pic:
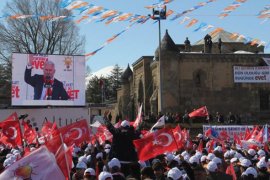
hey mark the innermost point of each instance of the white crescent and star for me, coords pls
(14, 133)
(169, 139)
(79, 131)
(178, 134)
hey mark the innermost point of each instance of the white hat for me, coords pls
(114, 162)
(8, 156)
(261, 164)
(174, 173)
(261, 153)
(104, 175)
(169, 157)
(142, 164)
(107, 146)
(198, 154)
(251, 152)
(99, 155)
(177, 159)
(238, 155)
(81, 165)
(199, 135)
(91, 171)
(233, 160)
(217, 160)
(16, 151)
(212, 166)
(83, 159)
(107, 151)
(7, 162)
(227, 154)
(88, 158)
(194, 159)
(252, 171)
(74, 154)
(218, 148)
(125, 123)
(203, 158)
(245, 162)
(76, 149)
(184, 153)
(210, 156)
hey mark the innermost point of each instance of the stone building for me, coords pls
(203, 76)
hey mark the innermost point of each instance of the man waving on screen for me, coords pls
(46, 87)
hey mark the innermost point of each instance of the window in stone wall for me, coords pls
(264, 100)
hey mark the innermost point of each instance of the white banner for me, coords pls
(246, 74)
(67, 88)
(231, 130)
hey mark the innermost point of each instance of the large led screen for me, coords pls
(48, 80)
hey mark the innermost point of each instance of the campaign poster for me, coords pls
(248, 74)
(44, 80)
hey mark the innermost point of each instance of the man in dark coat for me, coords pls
(46, 87)
(122, 146)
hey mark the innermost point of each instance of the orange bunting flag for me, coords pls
(81, 19)
(169, 12)
(234, 36)
(215, 32)
(191, 23)
(94, 9)
(77, 5)
(108, 14)
(254, 41)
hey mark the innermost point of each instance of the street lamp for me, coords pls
(159, 14)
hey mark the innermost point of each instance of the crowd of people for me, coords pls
(117, 159)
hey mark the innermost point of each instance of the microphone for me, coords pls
(23, 116)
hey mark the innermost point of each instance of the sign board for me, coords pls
(246, 74)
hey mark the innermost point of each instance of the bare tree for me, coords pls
(38, 34)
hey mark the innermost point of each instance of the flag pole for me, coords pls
(65, 155)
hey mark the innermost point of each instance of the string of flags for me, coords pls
(227, 10)
(85, 12)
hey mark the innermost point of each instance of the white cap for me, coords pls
(107, 151)
(212, 166)
(104, 175)
(245, 162)
(194, 159)
(88, 158)
(107, 146)
(218, 148)
(238, 155)
(81, 165)
(251, 152)
(169, 157)
(114, 162)
(233, 160)
(261, 153)
(125, 123)
(227, 154)
(83, 159)
(8, 156)
(199, 135)
(217, 160)
(176, 158)
(261, 164)
(91, 171)
(184, 153)
(198, 154)
(203, 158)
(7, 162)
(210, 156)
(174, 173)
(99, 155)
(252, 171)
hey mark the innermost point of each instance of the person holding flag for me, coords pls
(122, 146)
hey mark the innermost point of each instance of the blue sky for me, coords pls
(142, 39)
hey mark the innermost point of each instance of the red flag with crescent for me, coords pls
(155, 143)
(201, 112)
(11, 132)
(178, 136)
(75, 133)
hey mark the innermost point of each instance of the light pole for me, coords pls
(159, 14)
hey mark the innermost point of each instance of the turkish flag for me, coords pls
(178, 136)
(138, 118)
(29, 133)
(62, 153)
(155, 143)
(103, 134)
(230, 171)
(75, 133)
(49, 130)
(200, 146)
(223, 135)
(201, 112)
(11, 132)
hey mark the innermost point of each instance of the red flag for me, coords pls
(155, 143)
(11, 131)
(49, 130)
(178, 136)
(230, 171)
(138, 118)
(201, 112)
(103, 134)
(29, 133)
(236, 139)
(259, 136)
(75, 133)
(247, 134)
(223, 135)
(200, 146)
(62, 154)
